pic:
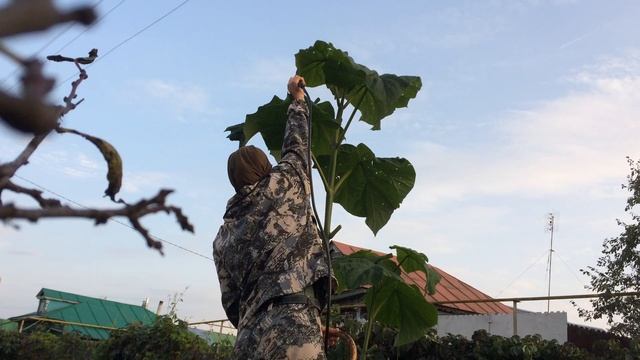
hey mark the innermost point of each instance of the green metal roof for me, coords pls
(69, 307)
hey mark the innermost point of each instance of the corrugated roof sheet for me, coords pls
(449, 288)
(93, 311)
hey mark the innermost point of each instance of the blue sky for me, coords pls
(527, 107)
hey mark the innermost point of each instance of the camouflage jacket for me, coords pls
(269, 245)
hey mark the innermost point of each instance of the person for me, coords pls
(268, 252)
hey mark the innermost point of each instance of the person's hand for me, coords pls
(294, 87)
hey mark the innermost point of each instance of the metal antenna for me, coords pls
(550, 226)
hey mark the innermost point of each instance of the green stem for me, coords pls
(331, 179)
(342, 179)
(353, 114)
(367, 336)
(322, 175)
(328, 209)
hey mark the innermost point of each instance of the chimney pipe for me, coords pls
(145, 303)
(159, 307)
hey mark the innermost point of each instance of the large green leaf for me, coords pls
(370, 187)
(381, 95)
(376, 96)
(363, 268)
(396, 304)
(433, 278)
(270, 121)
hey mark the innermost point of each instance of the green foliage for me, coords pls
(389, 300)
(410, 260)
(618, 270)
(270, 121)
(163, 340)
(376, 96)
(365, 185)
(482, 346)
(369, 186)
(41, 345)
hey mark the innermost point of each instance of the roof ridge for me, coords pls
(87, 297)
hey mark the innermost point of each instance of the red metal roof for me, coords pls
(449, 288)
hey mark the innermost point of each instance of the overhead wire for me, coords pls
(111, 50)
(87, 28)
(126, 40)
(569, 268)
(56, 37)
(112, 220)
(523, 272)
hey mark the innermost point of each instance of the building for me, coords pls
(450, 288)
(465, 318)
(94, 318)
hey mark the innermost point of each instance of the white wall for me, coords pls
(548, 325)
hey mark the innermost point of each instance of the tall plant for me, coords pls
(365, 185)
(352, 175)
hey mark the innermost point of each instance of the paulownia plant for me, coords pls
(354, 177)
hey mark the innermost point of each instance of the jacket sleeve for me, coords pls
(230, 296)
(296, 138)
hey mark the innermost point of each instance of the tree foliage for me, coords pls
(166, 339)
(618, 269)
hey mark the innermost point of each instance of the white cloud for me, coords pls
(185, 100)
(76, 165)
(268, 74)
(136, 182)
(575, 143)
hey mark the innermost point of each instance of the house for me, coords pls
(450, 288)
(463, 318)
(90, 317)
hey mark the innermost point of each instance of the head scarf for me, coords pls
(246, 166)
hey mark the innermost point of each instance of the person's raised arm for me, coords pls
(296, 134)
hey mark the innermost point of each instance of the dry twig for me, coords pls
(132, 212)
(30, 113)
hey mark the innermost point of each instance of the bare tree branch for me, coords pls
(34, 194)
(132, 212)
(29, 113)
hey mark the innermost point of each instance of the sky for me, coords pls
(527, 107)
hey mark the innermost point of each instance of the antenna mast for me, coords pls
(550, 226)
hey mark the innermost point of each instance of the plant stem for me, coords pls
(342, 179)
(367, 336)
(353, 114)
(328, 208)
(330, 181)
(322, 175)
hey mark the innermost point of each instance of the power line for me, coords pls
(113, 220)
(53, 39)
(150, 25)
(46, 45)
(136, 34)
(523, 272)
(569, 268)
(87, 28)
